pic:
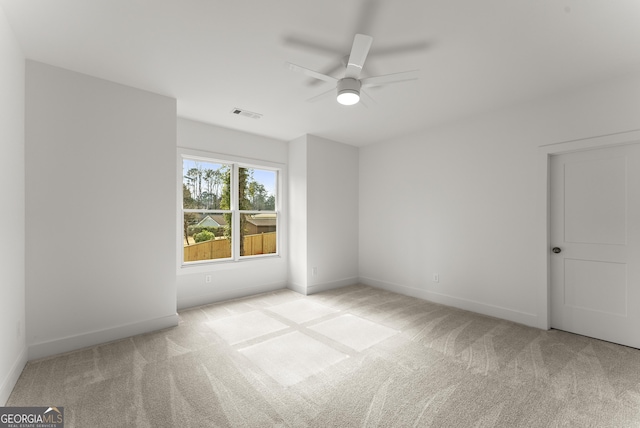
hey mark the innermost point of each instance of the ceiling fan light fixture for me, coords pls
(348, 98)
(348, 91)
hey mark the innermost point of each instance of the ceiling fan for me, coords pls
(349, 87)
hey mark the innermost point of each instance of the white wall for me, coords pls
(298, 273)
(100, 210)
(13, 355)
(332, 214)
(231, 280)
(324, 212)
(463, 201)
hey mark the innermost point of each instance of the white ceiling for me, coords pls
(216, 55)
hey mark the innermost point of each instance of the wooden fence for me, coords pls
(263, 243)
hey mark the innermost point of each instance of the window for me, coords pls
(229, 210)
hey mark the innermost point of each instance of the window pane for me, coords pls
(258, 234)
(205, 185)
(206, 236)
(257, 189)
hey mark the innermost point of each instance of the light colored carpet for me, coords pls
(351, 357)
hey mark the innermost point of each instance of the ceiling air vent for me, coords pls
(246, 113)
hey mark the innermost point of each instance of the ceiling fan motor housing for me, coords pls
(348, 85)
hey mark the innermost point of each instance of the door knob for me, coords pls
(556, 250)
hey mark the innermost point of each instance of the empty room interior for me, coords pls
(294, 213)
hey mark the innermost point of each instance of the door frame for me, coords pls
(544, 191)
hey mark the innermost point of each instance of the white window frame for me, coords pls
(236, 163)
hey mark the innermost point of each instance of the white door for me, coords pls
(595, 226)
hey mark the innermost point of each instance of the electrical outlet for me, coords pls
(436, 277)
(207, 279)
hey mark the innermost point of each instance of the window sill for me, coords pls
(244, 263)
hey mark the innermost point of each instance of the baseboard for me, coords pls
(324, 286)
(297, 288)
(71, 343)
(317, 288)
(12, 377)
(457, 302)
(232, 293)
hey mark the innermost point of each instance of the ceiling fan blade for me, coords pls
(390, 78)
(310, 73)
(321, 95)
(361, 103)
(329, 71)
(369, 98)
(359, 52)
